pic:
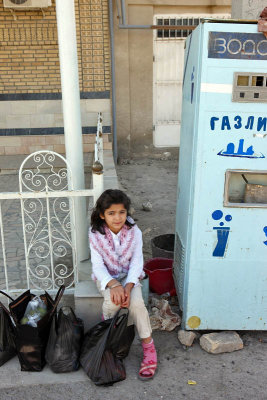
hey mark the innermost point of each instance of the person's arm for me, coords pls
(135, 267)
(99, 269)
(106, 280)
(137, 261)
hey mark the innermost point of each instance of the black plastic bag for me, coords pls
(31, 341)
(7, 336)
(104, 348)
(65, 340)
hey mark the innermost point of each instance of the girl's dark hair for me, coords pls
(107, 198)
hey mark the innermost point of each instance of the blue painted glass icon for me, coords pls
(222, 233)
(248, 153)
(265, 231)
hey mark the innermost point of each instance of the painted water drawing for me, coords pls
(240, 152)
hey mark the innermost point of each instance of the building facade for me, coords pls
(148, 72)
(30, 88)
(149, 68)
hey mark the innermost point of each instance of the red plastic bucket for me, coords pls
(159, 271)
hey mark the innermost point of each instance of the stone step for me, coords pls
(88, 303)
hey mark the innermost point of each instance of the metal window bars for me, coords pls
(179, 27)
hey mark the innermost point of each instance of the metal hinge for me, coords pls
(153, 58)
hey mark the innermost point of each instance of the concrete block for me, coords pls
(89, 119)
(13, 150)
(107, 118)
(221, 342)
(88, 139)
(62, 139)
(18, 121)
(85, 270)
(53, 139)
(10, 140)
(106, 137)
(23, 107)
(59, 148)
(49, 107)
(32, 140)
(42, 120)
(88, 148)
(88, 303)
(107, 146)
(110, 171)
(96, 105)
(186, 337)
(59, 121)
(108, 158)
(5, 108)
(39, 147)
(246, 9)
(110, 182)
(13, 377)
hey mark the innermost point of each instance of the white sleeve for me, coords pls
(99, 269)
(137, 260)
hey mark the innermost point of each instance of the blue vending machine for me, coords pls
(220, 262)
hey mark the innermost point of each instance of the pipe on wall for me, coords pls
(113, 82)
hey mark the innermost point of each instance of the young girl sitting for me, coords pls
(117, 260)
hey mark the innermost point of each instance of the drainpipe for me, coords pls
(72, 115)
(113, 83)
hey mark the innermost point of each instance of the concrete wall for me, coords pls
(247, 9)
(134, 65)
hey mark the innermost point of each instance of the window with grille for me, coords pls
(176, 33)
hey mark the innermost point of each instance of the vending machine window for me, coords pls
(245, 188)
(250, 87)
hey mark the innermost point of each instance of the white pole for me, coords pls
(72, 114)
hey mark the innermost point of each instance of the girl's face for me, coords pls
(115, 217)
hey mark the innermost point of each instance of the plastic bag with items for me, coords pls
(31, 341)
(35, 311)
(65, 340)
(104, 348)
(7, 336)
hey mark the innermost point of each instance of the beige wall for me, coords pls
(134, 65)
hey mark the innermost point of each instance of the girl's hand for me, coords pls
(117, 295)
(127, 293)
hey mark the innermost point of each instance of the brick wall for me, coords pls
(29, 61)
(94, 44)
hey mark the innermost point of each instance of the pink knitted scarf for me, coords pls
(115, 261)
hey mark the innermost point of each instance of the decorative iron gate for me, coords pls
(48, 224)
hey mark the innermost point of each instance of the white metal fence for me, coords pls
(38, 235)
